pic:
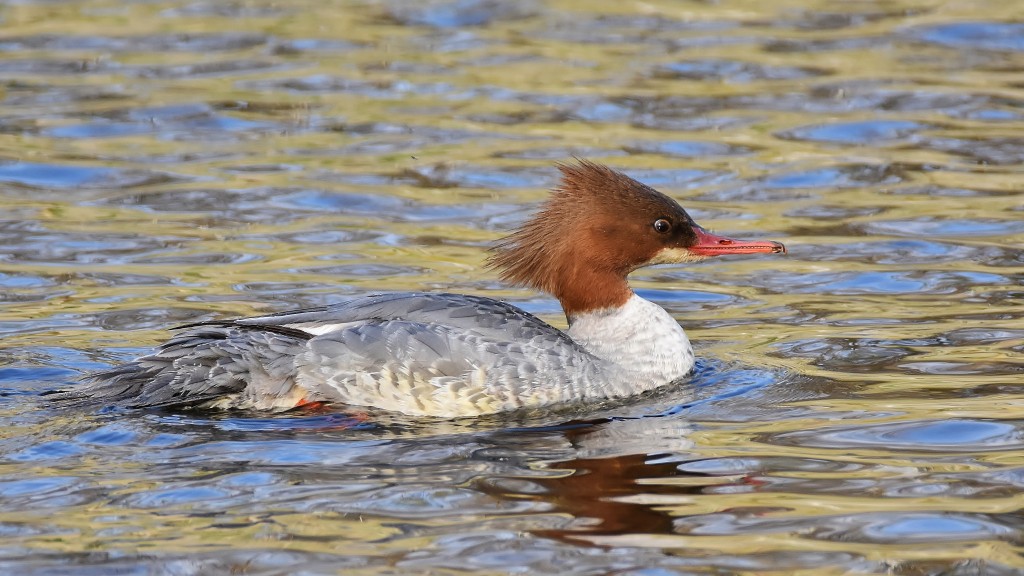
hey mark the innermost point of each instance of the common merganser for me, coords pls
(453, 355)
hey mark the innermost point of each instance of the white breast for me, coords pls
(640, 337)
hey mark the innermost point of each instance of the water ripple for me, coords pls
(976, 35)
(944, 435)
(853, 407)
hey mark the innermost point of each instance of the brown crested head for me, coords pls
(597, 226)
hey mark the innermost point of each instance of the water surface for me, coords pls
(858, 405)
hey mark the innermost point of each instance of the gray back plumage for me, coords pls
(494, 318)
(442, 354)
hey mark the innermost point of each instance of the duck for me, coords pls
(457, 355)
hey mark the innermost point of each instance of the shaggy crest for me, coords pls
(581, 244)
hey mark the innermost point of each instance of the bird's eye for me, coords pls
(662, 226)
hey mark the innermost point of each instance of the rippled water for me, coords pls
(858, 407)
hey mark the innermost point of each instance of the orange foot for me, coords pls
(319, 407)
(311, 405)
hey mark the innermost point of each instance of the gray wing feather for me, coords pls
(199, 365)
(432, 368)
